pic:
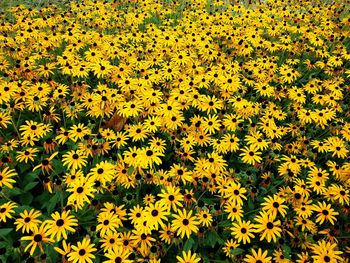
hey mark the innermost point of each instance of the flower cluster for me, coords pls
(175, 131)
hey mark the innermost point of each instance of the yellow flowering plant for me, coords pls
(175, 131)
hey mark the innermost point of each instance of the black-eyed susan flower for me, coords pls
(118, 254)
(205, 218)
(61, 224)
(77, 132)
(46, 163)
(82, 252)
(81, 190)
(251, 155)
(184, 223)
(171, 198)
(229, 247)
(64, 251)
(142, 240)
(28, 221)
(38, 237)
(74, 160)
(234, 211)
(32, 128)
(110, 242)
(274, 205)
(326, 252)
(156, 214)
(233, 191)
(258, 256)
(6, 177)
(268, 227)
(103, 172)
(5, 119)
(26, 155)
(6, 210)
(108, 222)
(243, 231)
(325, 213)
(188, 257)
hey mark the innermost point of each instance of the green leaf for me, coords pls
(53, 202)
(15, 191)
(286, 251)
(236, 251)
(130, 170)
(30, 186)
(22, 208)
(189, 244)
(5, 231)
(225, 223)
(26, 198)
(210, 239)
(250, 204)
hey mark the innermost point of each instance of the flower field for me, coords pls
(175, 131)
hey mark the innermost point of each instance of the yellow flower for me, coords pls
(250, 155)
(258, 256)
(268, 227)
(184, 223)
(28, 221)
(38, 237)
(188, 257)
(60, 224)
(325, 212)
(5, 177)
(82, 252)
(74, 159)
(243, 231)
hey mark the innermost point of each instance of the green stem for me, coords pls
(41, 118)
(14, 126)
(64, 119)
(19, 118)
(201, 195)
(166, 251)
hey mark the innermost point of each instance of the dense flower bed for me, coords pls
(175, 131)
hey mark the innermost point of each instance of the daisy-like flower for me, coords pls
(205, 218)
(108, 223)
(65, 250)
(28, 220)
(38, 237)
(156, 214)
(230, 245)
(184, 223)
(258, 256)
(325, 212)
(274, 205)
(74, 159)
(77, 132)
(6, 210)
(26, 155)
(234, 211)
(81, 190)
(5, 119)
(326, 252)
(268, 227)
(250, 155)
(118, 254)
(243, 231)
(5, 177)
(188, 257)
(82, 252)
(101, 68)
(32, 128)
(60, 224)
